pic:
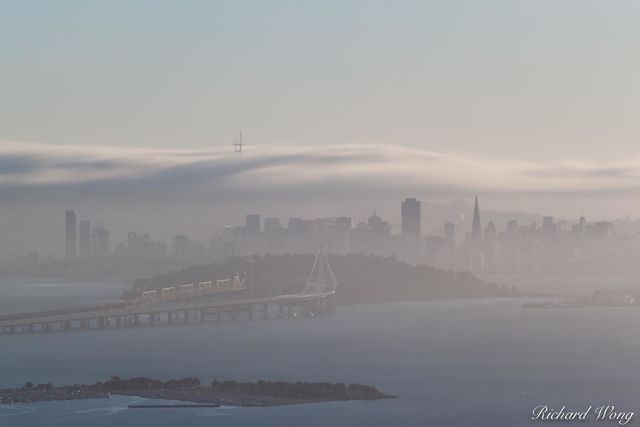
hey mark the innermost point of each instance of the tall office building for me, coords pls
(377, 226)
(272, 226)
(476, 228)
(100, 239)
(253, 224)
(548, 225)
(490, 243)
(583, 225)
(294, 226)
(84, 239)
(180, 248)
(70, 235)
(410, 217)
(450, 233)
(476, 239)
(343, 224)
(490, 233)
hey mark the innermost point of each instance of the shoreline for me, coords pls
(189, 391)
(194, 404)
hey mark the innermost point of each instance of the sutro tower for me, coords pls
(237, 143)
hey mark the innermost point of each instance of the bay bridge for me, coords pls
(187, 304)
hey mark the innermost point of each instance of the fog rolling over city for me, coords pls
(131, 214)
(536, 217)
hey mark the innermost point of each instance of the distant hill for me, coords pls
(361, 278)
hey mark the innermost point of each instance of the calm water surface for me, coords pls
(461, 363)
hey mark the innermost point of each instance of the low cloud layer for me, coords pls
(303, 169)
(165, 192)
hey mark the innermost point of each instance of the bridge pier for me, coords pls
(218, 315)
(201, 313)
(170, 317)
(330, 303)
(265, 311)
(136, 320)
(152, 319)
(233, 313)
(250, 311)
(186, 316)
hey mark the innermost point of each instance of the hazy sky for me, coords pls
(125, 110)
(511, 79)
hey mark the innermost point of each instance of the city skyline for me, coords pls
(543, 244)
(84, 238)
(460, 245)
(410, 223)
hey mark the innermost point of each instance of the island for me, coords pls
(362, 279)
(189, 389)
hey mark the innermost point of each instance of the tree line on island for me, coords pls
(361, 278)
(281, 389)
(259, 393)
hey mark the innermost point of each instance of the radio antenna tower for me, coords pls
(237, 143)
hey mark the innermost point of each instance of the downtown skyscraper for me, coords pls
(70, 235)
(410, 216)
(476, 239)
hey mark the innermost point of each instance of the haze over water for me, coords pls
(482, 362)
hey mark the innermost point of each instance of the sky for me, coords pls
(534, 104)
(539, 79)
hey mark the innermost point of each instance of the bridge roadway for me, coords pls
(156, 313)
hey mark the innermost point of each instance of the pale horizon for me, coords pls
(540, 80)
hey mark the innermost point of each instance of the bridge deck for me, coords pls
(138, 309)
